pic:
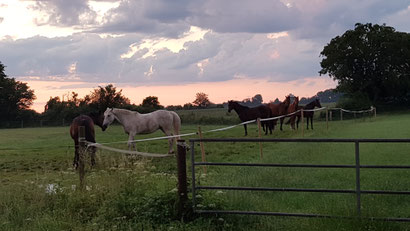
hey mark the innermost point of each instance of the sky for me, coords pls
(230, 49)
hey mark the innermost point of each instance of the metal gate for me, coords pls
(357, 166)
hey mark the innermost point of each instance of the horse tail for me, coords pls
(177, 123)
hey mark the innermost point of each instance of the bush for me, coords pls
(357, 101)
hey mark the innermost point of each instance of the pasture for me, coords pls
(39, 187)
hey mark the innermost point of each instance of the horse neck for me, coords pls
(310, 105)
(121, 115)
(239, 108)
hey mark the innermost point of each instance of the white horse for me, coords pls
(136, 123)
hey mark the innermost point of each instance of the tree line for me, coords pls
(370, 63)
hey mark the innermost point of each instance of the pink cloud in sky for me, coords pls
(218, 92)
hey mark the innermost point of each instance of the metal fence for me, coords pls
(357, 166)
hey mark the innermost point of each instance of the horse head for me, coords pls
(109, 117)
(98, 119)
(286, 102)
(230, 105)
(317, 103)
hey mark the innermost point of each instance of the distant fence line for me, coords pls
(64, 122)
(33, 123)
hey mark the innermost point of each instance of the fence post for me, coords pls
(302, 123)
(374, 112)
(260, 137)
(22, 124)
(358, 192)
(330, 115)
(327, 119)
(341, 114)
(193, 175)
(81, 153)
(201, 144)
(182, 179)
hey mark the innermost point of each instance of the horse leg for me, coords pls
(267, 127)
(131, 144)
(281, 122)
(246, 129)
(297, 122)
(307, 123)
(311, 122)
(170, 140)
(171, 145)
(292, 122)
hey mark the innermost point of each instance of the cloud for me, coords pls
(232, 16)
(64, 13)
(277, 40)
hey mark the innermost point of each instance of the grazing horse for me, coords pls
(246, 113)
(136, 123)
(87, 121)
(309, 114)
(279, 110)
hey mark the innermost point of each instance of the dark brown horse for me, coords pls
(279, 110)
(246, 113)
(309, 114)
(88, 122)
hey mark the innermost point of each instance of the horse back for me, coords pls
(87, 123)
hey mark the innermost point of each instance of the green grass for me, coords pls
(139, 193)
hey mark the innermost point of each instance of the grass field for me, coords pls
(39, 188)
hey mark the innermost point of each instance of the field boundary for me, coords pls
(357, 191)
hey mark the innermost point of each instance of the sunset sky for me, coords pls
(229, 49)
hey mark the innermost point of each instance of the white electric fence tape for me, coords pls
(102, 145)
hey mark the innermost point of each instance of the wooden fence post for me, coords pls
(182, 179)
(260, 137)
(341, 114)
(374, 112)
(327, 119)
(81, 153)
(201, 144)
(302, 123)
(330, 115)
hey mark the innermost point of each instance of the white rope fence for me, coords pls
(145, 154)
(103, 145)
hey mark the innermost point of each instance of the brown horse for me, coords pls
(293, 108)
(246, 113)
(308, 114)
(279, 110)
(88, 122)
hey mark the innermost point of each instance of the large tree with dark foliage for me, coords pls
(107, 96)
(371, 61)
(15, 97)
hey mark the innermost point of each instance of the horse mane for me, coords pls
(125, 111)
(240, 105)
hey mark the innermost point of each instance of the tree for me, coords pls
(201, 100)
(15, 96)
(151, 102)
(104, 97)
(257, 99)
(370, 61)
